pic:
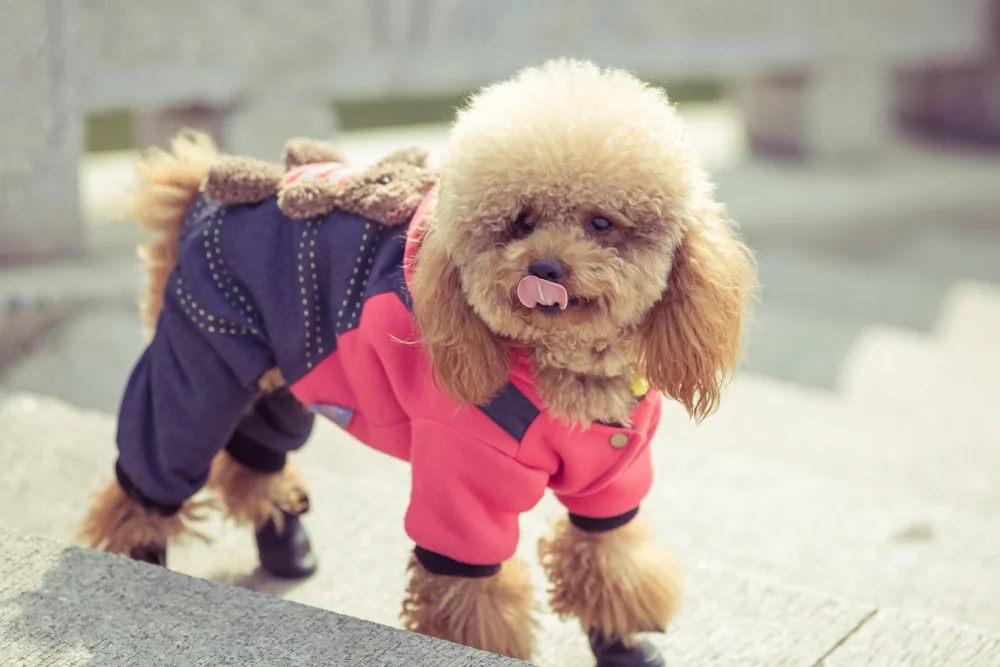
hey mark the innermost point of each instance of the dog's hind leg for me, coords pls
(119, 523)
(261, 488)
(618, 581)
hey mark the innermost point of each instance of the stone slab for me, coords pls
(712, 503)
(40, 136)
(421, 47)
(38, 297)
(85, 361)
(903, 640)
(70, 606)
(730, 618)
(971, 316)
(864, 544)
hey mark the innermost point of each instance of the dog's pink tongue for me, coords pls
(533, 291)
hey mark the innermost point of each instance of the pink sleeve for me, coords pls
(620, 495)
(467, 495)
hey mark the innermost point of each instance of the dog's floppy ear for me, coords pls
(470, 364)
(691, 340)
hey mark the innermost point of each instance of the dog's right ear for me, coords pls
(470, 363)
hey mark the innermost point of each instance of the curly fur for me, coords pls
(470, 363)
(117, 523)
(171, 180)
(253, 497)
(691, 341)
(663, 292)
(620, 582)
(493, 613)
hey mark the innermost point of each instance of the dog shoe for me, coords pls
(618, 653)
(287, 553)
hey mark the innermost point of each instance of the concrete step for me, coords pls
(946, 390)
(907, 640)
(814, 307)
(34, 299)
(69, 607)
(712, 505)
(357, 528)
(85, 361)
(358, 533)
(66, 606)
(971, 316)
(869, 545)
(919, 452)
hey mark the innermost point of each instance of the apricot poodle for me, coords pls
(508, 324)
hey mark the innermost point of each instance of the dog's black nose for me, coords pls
(547, 269)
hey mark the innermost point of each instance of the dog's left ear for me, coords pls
(470, 364)
(691, 340)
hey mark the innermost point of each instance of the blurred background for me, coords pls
(856, 142)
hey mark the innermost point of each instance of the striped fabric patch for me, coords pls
(329, 171)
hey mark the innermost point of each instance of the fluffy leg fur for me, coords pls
(492, 614)
(170, 181)
(118, 524)
(253, 497)
(619, 582)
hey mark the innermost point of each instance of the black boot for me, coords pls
(157, 555)
(618, 653)
(286, 554)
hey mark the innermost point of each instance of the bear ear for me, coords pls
(309, 199)
(302, 150)
(236, 180)
(386, 193)
(413, 156)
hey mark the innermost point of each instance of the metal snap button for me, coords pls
(619, 440)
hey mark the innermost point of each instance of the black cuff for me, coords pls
(592, 525)
(439, 564)
(133, 491)
(254, 455)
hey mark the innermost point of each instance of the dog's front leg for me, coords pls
(489, 608)
(617, 580)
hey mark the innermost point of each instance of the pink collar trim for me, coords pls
(415, 235)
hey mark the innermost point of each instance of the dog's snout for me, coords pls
(547, 269)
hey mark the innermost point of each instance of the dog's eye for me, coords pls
(385, 180)
(600, 225)
(523, 225)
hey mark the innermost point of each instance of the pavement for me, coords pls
(841, 509)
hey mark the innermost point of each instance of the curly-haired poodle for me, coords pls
(508, 324)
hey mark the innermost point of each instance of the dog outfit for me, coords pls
(327, 301)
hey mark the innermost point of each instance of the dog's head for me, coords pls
(572, 216)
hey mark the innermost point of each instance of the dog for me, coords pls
(508, 323)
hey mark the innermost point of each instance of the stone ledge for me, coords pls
(36, 298)
(70, 606)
